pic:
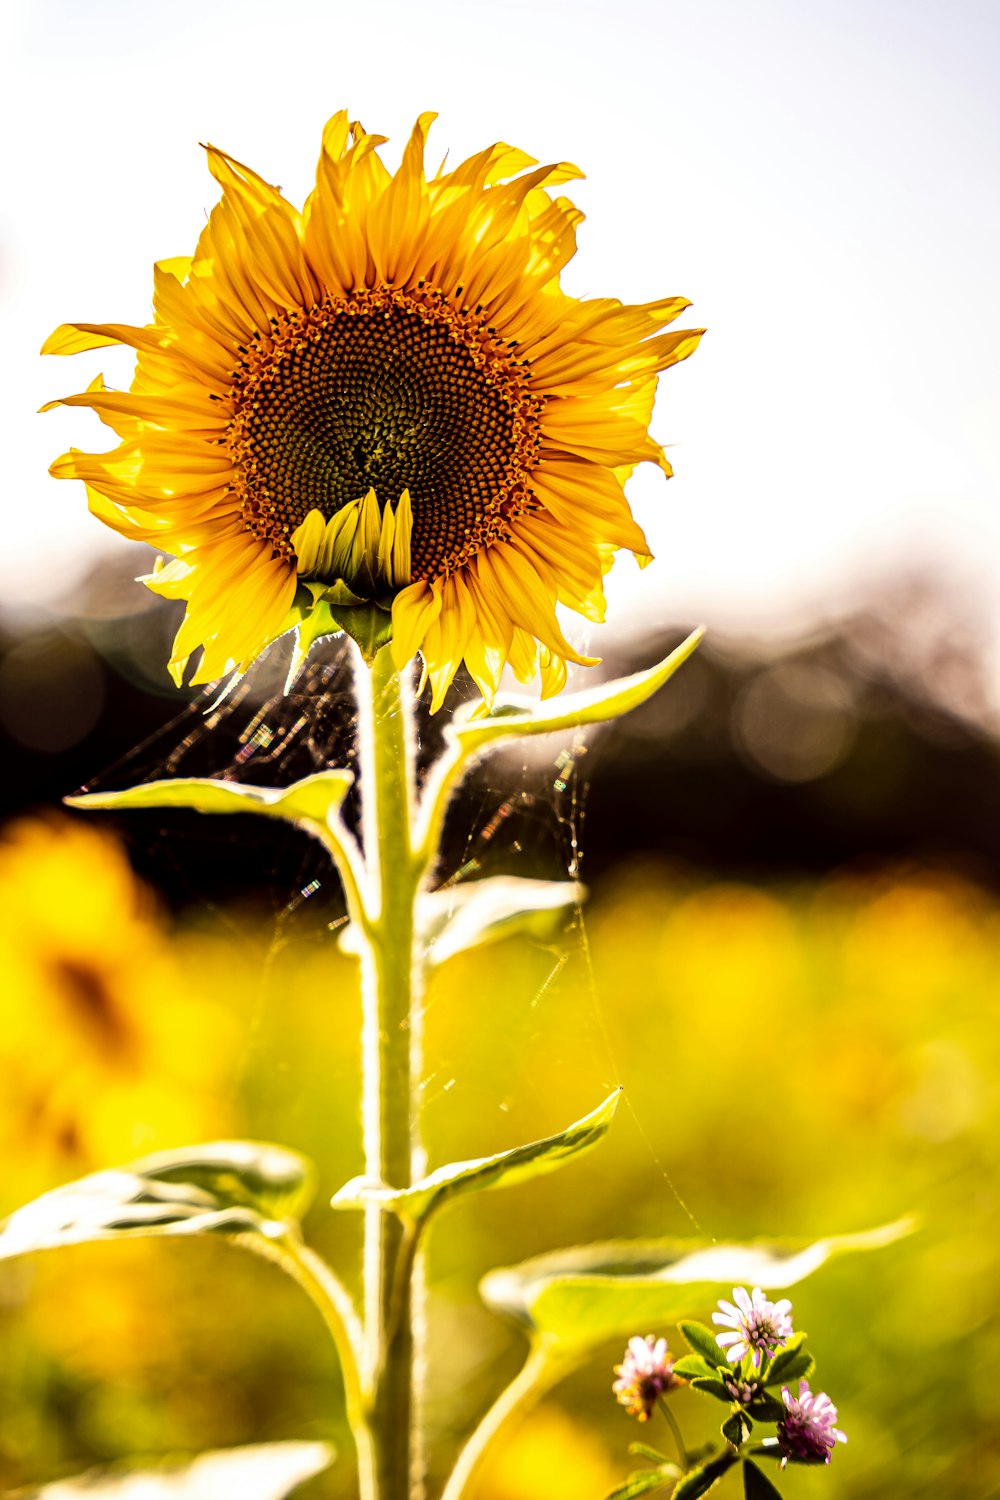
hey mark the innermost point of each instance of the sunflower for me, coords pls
(108, 1048)
(381, 414)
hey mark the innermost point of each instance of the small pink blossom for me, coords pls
(808, 1432)
(644, 1375)
(758, 1327)
(743, 1391)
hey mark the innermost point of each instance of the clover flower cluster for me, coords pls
(808, 1433)
(755, 1326)
(757, 1353)
(755, 1331)
(645, 1374)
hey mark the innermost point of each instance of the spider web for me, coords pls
(520, 812)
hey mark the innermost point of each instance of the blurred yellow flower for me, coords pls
(551, 1458)
(385, 399)
(106, 1051)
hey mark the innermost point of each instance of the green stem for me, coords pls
(390, 1063)
(675, 1429)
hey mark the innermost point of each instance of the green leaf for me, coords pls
(232, 1188)
(466, 916)
(264, 1471)
(702, 1341)
(431, 1193)
(790, 1363)
(736, 1428)
(278, 1183)
(645, 1481)
(513, 717)
(765, 1408)
(643, 1450)
(756, 1485)
(576, 1299)
(311, 802)
(692, 1365)
(712, 1386)
(699, 1481)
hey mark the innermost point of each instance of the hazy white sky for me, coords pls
(819, 176)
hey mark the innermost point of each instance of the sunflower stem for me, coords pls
(391, 1067)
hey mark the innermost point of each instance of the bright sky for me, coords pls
(818, 176)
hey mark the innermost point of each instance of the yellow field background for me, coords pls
(797, 1060)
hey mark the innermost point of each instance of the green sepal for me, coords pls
(575, 1299)
(367, 624)
(263, 1471)
(513, 717)
(321, 609)
(756, 1485)
(699, 1481)
(442, 1186)
(702, 1341)
(465, 916)
(765, 1408)
(313, 621)
(711, 1385)
(645, 1482)
(790, 1363)
(737, 1428)
(233, 1188)
(311, 802)
(692, 1366)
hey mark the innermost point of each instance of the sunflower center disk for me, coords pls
(390, 391)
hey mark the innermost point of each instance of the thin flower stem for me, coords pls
(390, 1066)
(538, 1373)
(682, 1452)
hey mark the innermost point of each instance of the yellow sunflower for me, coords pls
(381, 414)
(107, 1049)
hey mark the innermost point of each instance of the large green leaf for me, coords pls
(465, 916)
(431, 1193)
(512, 717)
(311, 802)
(278, 1183)
(576, 1299)
(244, 1188)
(265, 1471)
